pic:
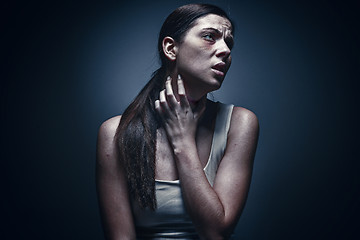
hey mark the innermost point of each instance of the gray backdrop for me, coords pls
(68, 66)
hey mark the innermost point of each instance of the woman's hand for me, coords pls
(180, 121)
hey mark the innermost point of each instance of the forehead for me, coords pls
(214, 21)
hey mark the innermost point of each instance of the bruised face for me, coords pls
(203, 57)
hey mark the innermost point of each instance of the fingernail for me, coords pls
(179, 77)
(168, 78)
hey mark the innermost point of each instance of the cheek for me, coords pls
(193, 58)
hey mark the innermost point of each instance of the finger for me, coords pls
(157, 105)
(163, 103)
(159, 110)
(170, 94)
(182, 94)
(181, 88)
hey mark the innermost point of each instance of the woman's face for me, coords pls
(203, 56)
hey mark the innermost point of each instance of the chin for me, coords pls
(207, 84)
(214, 86)
(217, 82)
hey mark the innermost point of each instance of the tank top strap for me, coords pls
(222, 126)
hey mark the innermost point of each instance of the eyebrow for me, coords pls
(229, 38)
(216, 30)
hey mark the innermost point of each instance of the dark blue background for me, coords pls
(68, 66)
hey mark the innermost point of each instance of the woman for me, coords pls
(176, 165)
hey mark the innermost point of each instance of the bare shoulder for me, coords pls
(244, 119)
(108, 128)
(106, 145)
(242, 138)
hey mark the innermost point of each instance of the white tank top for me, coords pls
(170, 220)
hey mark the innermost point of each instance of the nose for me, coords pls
(223, 50)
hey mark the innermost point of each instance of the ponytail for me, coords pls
(136, 139)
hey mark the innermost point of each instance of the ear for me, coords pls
(169, 48)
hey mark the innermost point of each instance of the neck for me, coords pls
(192, 95)
(194, 103)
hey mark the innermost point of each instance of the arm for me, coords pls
(214, 210)
(111, 186)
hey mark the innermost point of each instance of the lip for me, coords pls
(219, 68)
(218, 73)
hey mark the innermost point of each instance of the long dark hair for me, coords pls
(136, 133)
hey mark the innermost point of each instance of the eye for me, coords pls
(208, 36)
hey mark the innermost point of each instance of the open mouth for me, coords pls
(219, 68)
